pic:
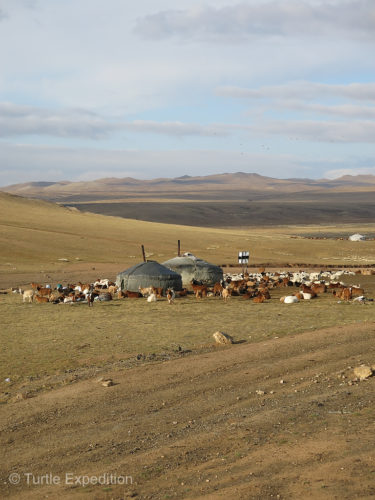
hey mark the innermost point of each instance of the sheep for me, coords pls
(289, 299)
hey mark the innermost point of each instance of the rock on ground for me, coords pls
(362, 372)
(222, 338)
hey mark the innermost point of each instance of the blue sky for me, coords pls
(113, 88)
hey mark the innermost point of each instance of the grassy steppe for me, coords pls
(35, 235)
(44, 340)
(216, 423)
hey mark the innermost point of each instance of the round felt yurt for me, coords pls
(357, 237)
(192, 268)
(146, 274)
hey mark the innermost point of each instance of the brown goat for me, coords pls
(259, 299)
(218, 289)
(226, 293)
(357, 291)
(132, 295)
(38, 298)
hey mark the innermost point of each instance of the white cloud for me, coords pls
(321, 131)
(335, 174)
(20, 120)
(16, 120)
(352, 18)
(176, 128)
(302, 90)
(76, 74)
(343, 110)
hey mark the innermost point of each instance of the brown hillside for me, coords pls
(233, 186)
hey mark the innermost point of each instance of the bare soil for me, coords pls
(196, 427)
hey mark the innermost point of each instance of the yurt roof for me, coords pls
(151, 267)
(188, 260)
(149, 273)
(191, 267)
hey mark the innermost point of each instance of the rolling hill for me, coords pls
(223, 200)
(43, 238)
(239, 186)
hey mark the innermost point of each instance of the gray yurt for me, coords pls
(190, 267)
(146, 274)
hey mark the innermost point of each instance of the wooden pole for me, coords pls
(143, 253)
(179, 248)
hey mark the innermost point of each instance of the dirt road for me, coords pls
(196, 427)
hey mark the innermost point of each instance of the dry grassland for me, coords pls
(183, 418)
(51, 344)
(35, 235)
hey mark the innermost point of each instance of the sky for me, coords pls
(164, 88)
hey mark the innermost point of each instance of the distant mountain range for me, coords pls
(223, 200)
(220, 186)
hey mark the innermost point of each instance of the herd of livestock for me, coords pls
(256, 286)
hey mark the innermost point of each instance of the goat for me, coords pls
(131, 295)
(158, 291)
(146, 291)
(199, 290)
(357, 291)
(28, 294)
(226, 293)
(171, 295)
(289, 299)
(218, 289)
(44, 291)
(41, 299)
(259, 299)
(151, 298)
